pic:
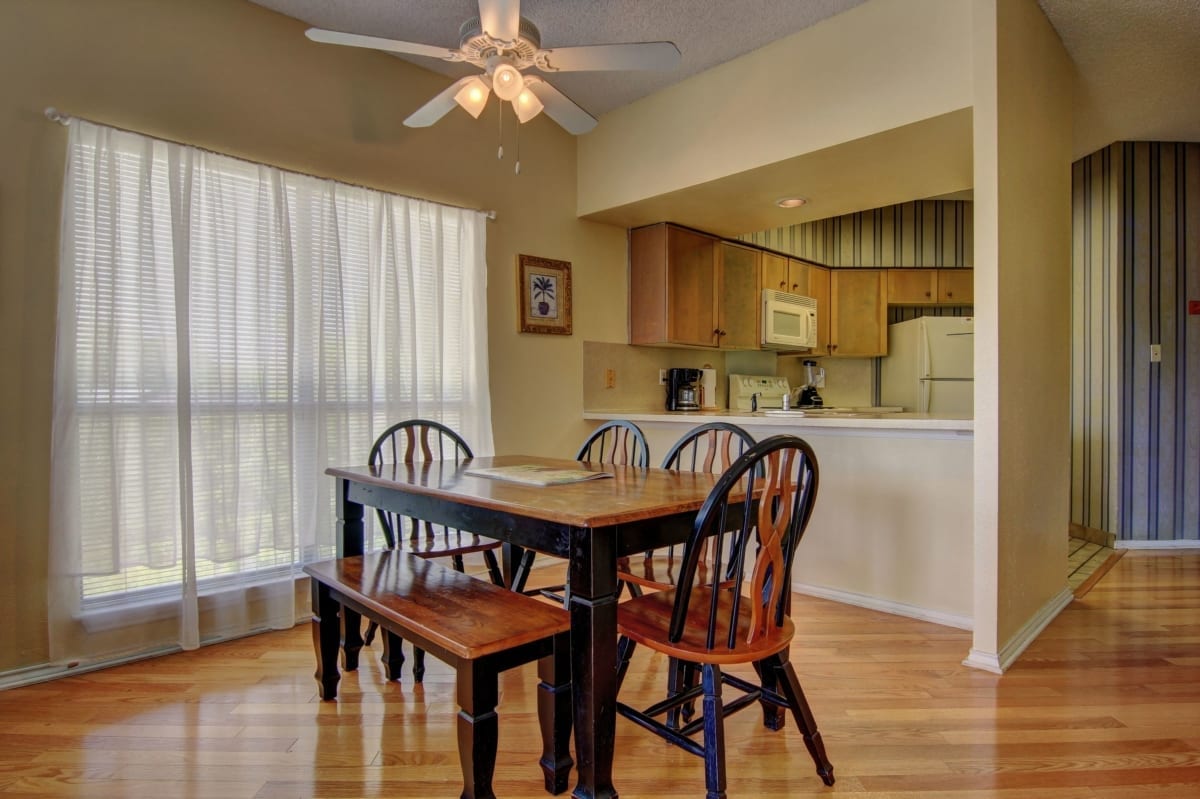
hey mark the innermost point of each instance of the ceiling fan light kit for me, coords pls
(507, 81)
(503, 43)
(473, 96)
(527, 105)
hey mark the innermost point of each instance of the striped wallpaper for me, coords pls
(1135, 435)
(1136, 264)
(923, 233)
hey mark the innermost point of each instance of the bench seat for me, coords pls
(479, 628)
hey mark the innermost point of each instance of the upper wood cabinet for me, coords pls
(858, 313)
(780, 273)
(818, 289)
(956, 286)
(912, 286)
(689, 288)
(738, 306)
(930, 286)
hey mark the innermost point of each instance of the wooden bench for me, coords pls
(478, 628)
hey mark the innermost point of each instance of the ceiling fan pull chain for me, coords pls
(517, 170)
(500, 129)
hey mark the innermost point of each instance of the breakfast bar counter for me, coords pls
(841, 419)
(893, 524)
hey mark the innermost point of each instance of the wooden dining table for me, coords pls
(589, 523)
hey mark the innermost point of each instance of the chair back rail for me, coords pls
(617, 441)
(772, 486)
(415, 441)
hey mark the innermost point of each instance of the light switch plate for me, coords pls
(1155, 353)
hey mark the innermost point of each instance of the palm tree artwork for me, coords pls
(542, 291)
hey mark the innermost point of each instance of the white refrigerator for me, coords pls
(930, 365)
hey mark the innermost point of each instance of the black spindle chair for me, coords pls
(713, 623)
(617, 441)
(419, 441)
(711, 447)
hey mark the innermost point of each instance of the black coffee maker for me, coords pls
(682, 393)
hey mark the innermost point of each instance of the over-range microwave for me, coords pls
(789, 321)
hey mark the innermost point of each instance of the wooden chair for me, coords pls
(616, 441)
(710, 624)
(711, 447)
(417, 441)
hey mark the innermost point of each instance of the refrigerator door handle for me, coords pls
(923, 404)
(923, 366)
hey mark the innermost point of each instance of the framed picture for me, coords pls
(544, 295)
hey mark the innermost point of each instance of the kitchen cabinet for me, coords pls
(912, 286)
(858, 313)
(930, 286)
(956, 286)
(687, 288)
(738, 306)
(818, 289)
(780, 273)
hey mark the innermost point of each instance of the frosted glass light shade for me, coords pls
(507, 82)
(527, 105)
(473, 96)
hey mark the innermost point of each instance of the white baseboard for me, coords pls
(998, 663)
(1179, 543)
(885, 606)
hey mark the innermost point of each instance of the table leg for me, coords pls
(350, 543)
(593, 570)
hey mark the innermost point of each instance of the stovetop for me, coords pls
(771, 390)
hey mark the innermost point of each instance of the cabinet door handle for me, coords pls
(949, 293)
(795, 287)
(927, 294)
(782, 285)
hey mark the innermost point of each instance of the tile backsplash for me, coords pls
(847, 381)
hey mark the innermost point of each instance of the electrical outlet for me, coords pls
(662, 377)
(1155, 353)
(610, 378)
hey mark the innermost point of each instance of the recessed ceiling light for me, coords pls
(790, 202)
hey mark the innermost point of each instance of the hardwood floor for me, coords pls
(1104, 705)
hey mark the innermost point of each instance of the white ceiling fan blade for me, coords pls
(559, 107)
(500, 19)
(438, 107)
(376, 43)
(640, 55)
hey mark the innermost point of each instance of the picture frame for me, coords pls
(544, 295)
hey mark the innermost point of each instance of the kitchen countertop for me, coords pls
(849, 419)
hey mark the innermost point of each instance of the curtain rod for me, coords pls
(54, 115)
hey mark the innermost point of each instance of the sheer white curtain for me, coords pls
(226, 330)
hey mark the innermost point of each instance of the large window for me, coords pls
(226, 331)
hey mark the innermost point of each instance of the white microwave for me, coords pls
(789, 321)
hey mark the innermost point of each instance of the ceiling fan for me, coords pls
(503, 44)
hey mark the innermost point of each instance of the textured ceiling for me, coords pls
(707, 32)
(1138, 64)
(1139, 67)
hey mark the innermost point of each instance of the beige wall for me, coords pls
(1018, 83)
(1022, 332)
(232, 77)
(876, 67)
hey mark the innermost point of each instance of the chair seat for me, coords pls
(647, 619)
(447, 545)
(657, 570)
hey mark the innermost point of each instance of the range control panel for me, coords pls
(771, 390)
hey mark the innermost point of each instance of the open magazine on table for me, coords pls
(536, 475)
